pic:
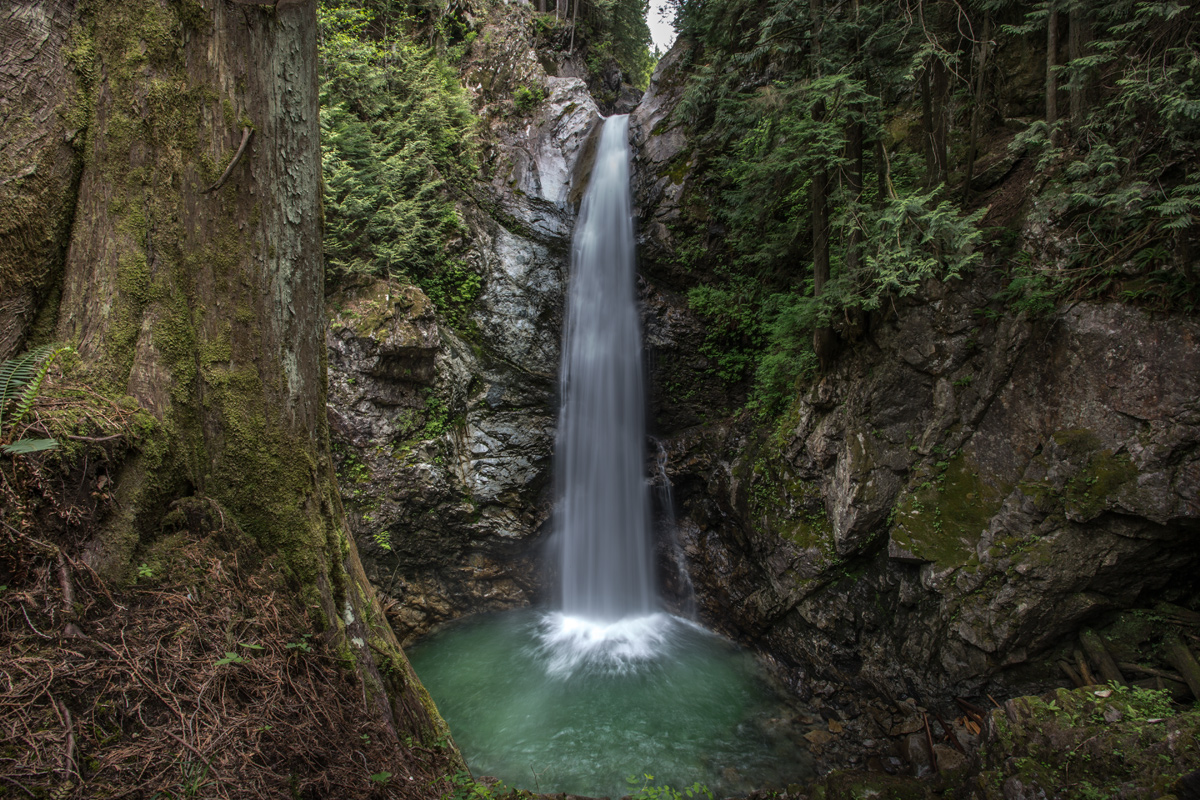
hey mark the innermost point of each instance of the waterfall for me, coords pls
(603, 505)
(578, 697)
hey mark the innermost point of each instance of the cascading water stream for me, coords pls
(604, 509)
(607, 685)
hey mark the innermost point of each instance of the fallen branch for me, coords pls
(971, 710)
(1085, 671)
(1070, 672)
(929, 741)
(1179, 657)
(94, 438)
(247, 134)
(1151, 671)
(69, 758)
(1099, 654)
(950, 733)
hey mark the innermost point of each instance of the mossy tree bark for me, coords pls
(202, 297)
(39, 162)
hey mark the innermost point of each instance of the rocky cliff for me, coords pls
(940, 511)
(444, 431)
(955, 497)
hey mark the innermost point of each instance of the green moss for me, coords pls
(1093, 743)
(943, 517)
(133, 278)
(1094, 488)
(677, 168)
(783, 504)
(1095, 476)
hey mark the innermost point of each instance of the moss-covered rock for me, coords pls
(1088, 743)
(942, 518)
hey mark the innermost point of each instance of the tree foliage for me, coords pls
(1122, 178)
(397, 137)
(787, 96)
(878, 109)
(619, 29)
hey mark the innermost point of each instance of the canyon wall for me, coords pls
(940, 510)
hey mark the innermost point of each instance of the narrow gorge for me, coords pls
(915, 507)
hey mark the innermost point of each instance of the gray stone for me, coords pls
(444, 446)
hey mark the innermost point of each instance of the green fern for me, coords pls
(20, 383)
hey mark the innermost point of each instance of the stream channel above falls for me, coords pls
(606, 686)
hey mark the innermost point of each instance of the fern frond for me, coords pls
(34, 386)
(29, 446)
(16, 372)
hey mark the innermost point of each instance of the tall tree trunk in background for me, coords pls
(854, 183)
(40, 162)
(1051, 64)
(935, 112)
(824, 339)
(1079, 35)
(855, 164)
(574, 19)
(927, 126)
(193, 282)
(979, 102)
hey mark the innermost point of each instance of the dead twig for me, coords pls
(950, 733)
(929, 741)
(32, 627)
(247, 134)
(971, 710)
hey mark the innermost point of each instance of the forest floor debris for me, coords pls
(201, 682)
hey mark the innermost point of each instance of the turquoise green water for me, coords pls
(551, 704)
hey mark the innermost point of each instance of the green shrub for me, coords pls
(397, 135)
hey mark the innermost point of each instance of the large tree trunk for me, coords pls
(1079, 36)
(935, 113)
(193, 282)
(39, 163)
(979, 103)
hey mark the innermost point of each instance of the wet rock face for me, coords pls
(419, 422)
(684, 387)
(663, 169)
(444, 436)
(957, 497)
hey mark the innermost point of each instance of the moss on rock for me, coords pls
(944, 516)
(1088, 743)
